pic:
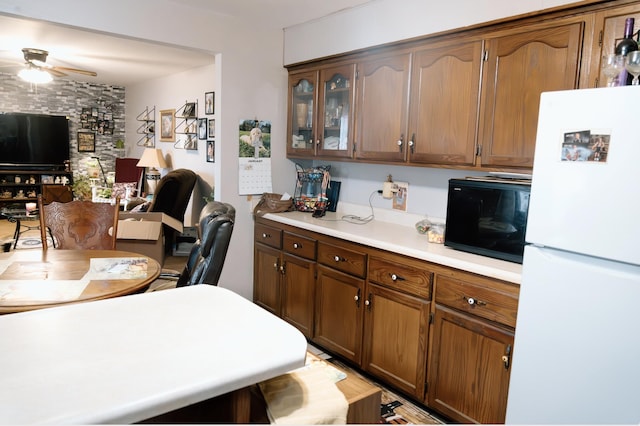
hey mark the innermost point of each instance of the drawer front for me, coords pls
(299, 245)
(407, 276)
(268, 235)
(342, 259)
(478, 300)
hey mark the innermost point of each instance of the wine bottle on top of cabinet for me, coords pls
(626, 45)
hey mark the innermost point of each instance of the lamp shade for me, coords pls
(152, 157)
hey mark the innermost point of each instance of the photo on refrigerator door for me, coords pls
(585, 145)
(576, 146)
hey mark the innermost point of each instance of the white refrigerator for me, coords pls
(576, 354)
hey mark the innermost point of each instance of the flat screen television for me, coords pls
(33, 141)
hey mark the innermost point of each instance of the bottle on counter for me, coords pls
(626, 45)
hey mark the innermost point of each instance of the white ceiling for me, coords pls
(124, 61)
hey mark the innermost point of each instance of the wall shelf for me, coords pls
(187, 126)
(147, 127)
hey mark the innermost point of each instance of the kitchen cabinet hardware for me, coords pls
(265, 235)
(400, 142)
(395, 277)
(473, 301)
(506, 359)
(357, 298)
(297, 246)
(338, 258)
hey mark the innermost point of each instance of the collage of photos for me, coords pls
(585, 145)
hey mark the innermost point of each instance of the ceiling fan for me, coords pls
(36, 66)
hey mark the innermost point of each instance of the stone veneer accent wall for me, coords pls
(67, 97)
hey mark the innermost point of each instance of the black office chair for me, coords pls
(207, 255)
(206, 259)
(172, 197)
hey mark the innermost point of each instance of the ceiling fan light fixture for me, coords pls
(35, 75)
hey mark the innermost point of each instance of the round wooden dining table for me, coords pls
(35, 279)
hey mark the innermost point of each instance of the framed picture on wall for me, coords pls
(211, 155)
(212, 128)
(202, 128)
(209, 102)
(86, 142)
(167, 125)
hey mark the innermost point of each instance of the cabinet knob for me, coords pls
(337, 258)
(395, 277)
(265, 235)
(296, 245)
(471, 301)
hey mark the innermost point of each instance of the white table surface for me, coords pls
(130, 358)
(401, 238)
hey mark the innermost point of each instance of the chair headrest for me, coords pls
(216, 219)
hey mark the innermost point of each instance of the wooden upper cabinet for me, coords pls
(382, 100)
(610, 29)
(518, 68)
(445, 88)
(335, 111)
(301, 123)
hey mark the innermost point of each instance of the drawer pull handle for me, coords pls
(338, 258)
(395, 277)
(265, 235)
(297, 246)
(357, 298)
(471, 301)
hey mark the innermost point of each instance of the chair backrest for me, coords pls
(80, 224)
(206, 259)
(172, 197)
(173, 193)
(127, 170)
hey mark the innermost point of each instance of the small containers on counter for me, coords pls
(434, 231)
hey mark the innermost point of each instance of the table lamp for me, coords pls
(153, 159)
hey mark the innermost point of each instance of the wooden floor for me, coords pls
(408, 412)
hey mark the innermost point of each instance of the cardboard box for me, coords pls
(143, 233)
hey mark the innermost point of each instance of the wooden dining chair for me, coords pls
(79, 224)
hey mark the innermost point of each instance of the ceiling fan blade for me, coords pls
(55, 72)
(75, 70)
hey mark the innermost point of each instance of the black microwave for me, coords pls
(488, 217)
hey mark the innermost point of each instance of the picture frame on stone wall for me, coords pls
(167, 125)
(86, 142)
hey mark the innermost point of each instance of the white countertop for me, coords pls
(130, 358)
(402, 239)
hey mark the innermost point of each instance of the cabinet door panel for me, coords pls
(338, 319)
(382, 103)
(303, 92)
(444, 104)
(396, 327)
(335, 112)
(612, 33)
(518, 69)
(298, 293)
(468, 378)
(266, 278)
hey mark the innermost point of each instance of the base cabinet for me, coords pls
(469, 374)
(284, 283)
(442, 336)
(396, 330)
(339, 313)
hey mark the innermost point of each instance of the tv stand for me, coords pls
(20, 186)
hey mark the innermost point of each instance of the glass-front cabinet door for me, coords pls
(335, 112)
(302, 137)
